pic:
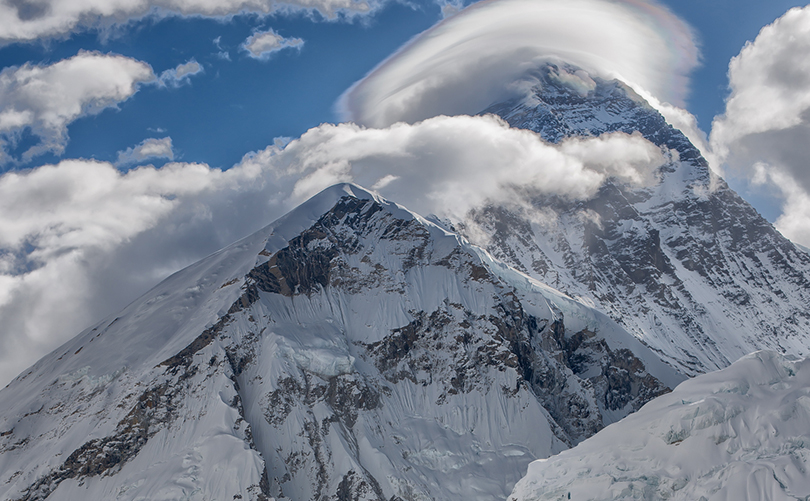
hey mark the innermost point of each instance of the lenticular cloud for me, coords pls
(480, 56)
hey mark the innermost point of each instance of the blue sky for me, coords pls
(87, 225)
(240, 105)
(236, 105)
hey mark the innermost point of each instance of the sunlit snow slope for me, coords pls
(686, 264)
(739, 433)
(350, 350)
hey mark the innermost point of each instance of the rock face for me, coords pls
(349, 351)
(686, 265)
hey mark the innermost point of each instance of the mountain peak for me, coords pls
(686, 265)
(562, 100)
(328, 355)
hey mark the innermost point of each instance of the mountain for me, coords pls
(739, 433)
(351, 350)
(686, 265)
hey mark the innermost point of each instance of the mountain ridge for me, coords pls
(352, 350)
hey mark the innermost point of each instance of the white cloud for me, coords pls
(475, 58)
(180, 75)
(33, 19)
(764, 133)
(450, 7)
(794, 222)
(145, 150)
(263, 44)
(221, 53)
(80, 239)
(448, 165)
(47, 98)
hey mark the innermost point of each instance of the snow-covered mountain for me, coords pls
(686, 265)
(739, 433)
(351, 351)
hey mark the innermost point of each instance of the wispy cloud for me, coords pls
(263, 44)
(146, 150)
(31, 20)
(180, 75)
(221, 53)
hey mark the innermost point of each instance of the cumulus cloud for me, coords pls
(45, 99)
(80, 239)
(264, 44)
(146, 150)
(794, 222)
(175, 77)
(33, 19)
(479, 56)
(764, 133)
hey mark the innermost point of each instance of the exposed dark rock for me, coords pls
(152, 411)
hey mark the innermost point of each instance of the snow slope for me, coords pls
(739, 433)
(351, 350)
(686, 265)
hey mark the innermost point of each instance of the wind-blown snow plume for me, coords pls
(481, 55)
(80, 239)
(765, 131)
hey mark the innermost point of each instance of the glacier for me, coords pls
(739, 433)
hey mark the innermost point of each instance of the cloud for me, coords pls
(81, 239)
(32, 19)
(263, 44)
(450, 7)
(45, 99)
(175, 77)
(221, 53)
(794, 222)
(764, 133)
(449, 165)
(145, 150)
(476, 57)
